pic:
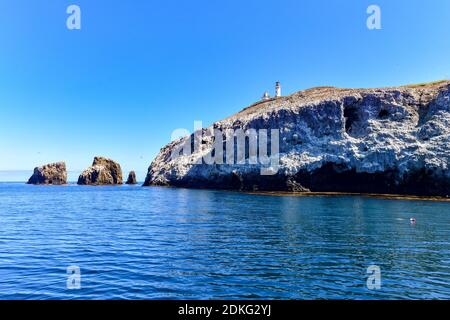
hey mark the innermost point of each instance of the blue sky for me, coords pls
(137, 70)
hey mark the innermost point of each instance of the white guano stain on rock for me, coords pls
(390, 137)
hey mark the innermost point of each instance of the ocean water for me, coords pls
(162, 243)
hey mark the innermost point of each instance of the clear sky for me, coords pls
(137, 70)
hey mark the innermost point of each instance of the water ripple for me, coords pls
(161, 243)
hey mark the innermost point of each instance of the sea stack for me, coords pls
(103, 171)
(389, 140)
(53, 173)
(132, 178)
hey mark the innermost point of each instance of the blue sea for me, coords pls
(131, 242)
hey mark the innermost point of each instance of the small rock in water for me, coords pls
(102, 172)
(53, 173)
(132, 178)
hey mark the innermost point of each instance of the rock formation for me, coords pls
(390, 140)
(102, 172)
(53, 173)
(132, 178)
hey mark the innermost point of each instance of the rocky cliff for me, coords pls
(102, 172)
(53, 173)
(389, 140)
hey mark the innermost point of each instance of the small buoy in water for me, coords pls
(412, 220)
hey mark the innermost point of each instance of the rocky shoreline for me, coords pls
(337, 194)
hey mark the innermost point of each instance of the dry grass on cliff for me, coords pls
(433, 84)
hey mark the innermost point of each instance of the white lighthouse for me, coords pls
(277, 89)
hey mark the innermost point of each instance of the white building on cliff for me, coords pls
(266, 96)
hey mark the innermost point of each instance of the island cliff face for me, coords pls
(103, 171)
(53, 173)
(390, 140)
